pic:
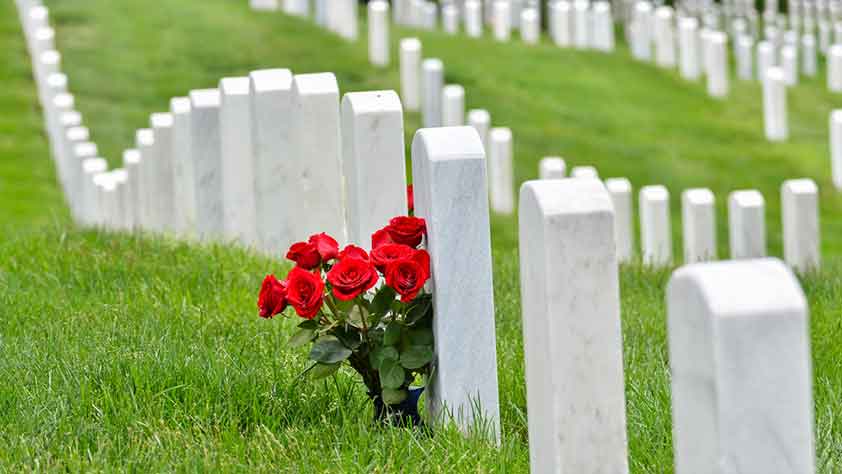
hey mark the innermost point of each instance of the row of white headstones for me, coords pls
(739, 345)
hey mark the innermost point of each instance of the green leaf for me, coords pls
(380, 354)
(349, 337)
(420, 336)
(345, 306)
(382, 301)
(309, 324)
(329, 350)
(301, 337)
(320, 371)
(420, 309)
(393, 397)
(392, 334)
(416, 357)
(391, 374)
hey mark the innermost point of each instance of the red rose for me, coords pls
(273, 297)
(352, 276)
(305, 254)
(407, 230)
(305, 292)
(327, 246)
(410, 199)
(382, 256)
(381, 237)
(352, 251)
(408, 275)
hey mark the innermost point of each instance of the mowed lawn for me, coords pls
(127, 353)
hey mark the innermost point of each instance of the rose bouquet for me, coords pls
(366, 309)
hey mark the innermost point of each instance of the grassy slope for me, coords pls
(119, 352)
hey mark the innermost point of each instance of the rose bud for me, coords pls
(327, 246)
(351, 277)
(407, 230)
(305, 292)
(273, 297)
(408, 275)
(305, 254)
(382, 256)
(381, 237)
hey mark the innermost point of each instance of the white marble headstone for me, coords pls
(747, 224)
(698, 211)
(207, 162)
(655, 226)
(800, 208)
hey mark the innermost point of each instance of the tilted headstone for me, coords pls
(239, 221)
(317, 159)
(740, 369)
(800, 213)
(747, 224)
(272, 127)
(410, 69)
(573, 347)
(698, 211)
(448, 168)
(500, 170)
(374, 162)
(655, 226)
(207, 162)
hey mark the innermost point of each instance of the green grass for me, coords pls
(145, 354)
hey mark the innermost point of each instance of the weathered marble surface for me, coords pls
(163, 179)
(432, 83)
(131, 195)
(378, 33)
(774, 105)
(740, 369)
(453, 106)
(239, 213)
(571, 326)
(272, 127)
(500, 172)
(410, 69)
(747, 224)
(448, 167)
(800, 213)
(145, 144)
(552, 167)
(318, 205)
(698, 212)
(184, 176)
(655, 226)
(374, 162)
(620, 190)
(207, 162)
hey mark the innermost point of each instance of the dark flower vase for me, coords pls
(404, 413)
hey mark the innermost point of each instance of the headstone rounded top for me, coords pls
(775, 73)
(664, 12)
(131, 157)
(748, 198)
(446, 143)
(45, 33)
(801, 186)
(94, 165)
(144, 137)
(433, 64)
(643, 7)
(529, 14)
(78, 134)
(120, 175)
(479, 116)
(85, 150)
(378, 6)
(561, 6)
(64, 101)
(602, 7)
(39, 12)
(737, 288)
(204, 98)
(717, 37)
(618, 185)
(568, 196)
(179, 105)
(105, 180)
(317, 83)
(271, 79)
(57, 81)
(411, 44)
(586, 172)
(699, 196)
(836, 49)
(234, 85)
(836, 116)
(161, 120)
(71, 118)
(373, 101)
(453, 90)
(654, 193)
(500, 134)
